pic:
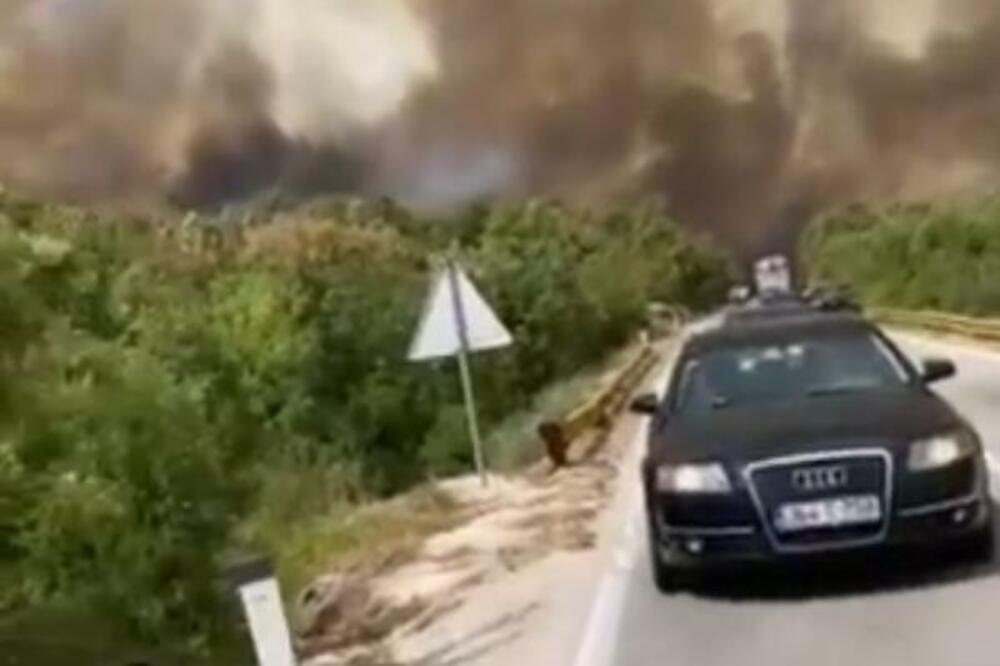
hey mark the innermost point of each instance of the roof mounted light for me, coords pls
(772, 275)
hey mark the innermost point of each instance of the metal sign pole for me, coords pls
(463, 368)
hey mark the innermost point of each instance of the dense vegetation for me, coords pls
(173, 390)
(940, 257)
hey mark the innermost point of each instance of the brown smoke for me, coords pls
(744, 116)
(205, 101)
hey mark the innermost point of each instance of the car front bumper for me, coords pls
(934, 525)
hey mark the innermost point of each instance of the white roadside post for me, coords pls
(456, 322)
(261, 598)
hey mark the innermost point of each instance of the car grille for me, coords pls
(808, 478)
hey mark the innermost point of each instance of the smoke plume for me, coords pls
(744, 116)
(203, 100)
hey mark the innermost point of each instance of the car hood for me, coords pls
(763, 431)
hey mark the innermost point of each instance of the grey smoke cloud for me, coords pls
(122, 98)
(744, 116)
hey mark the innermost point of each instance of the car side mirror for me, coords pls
(647, 404)
(936, 369)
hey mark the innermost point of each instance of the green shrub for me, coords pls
(943, 257)
(172, 390)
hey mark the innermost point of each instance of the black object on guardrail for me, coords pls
(597, 412)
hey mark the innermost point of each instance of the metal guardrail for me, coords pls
(987, 330)
(599, 410)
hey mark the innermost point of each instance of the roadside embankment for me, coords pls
(498, 560)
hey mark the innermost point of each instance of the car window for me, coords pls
(814, 367)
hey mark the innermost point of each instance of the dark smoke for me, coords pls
(744, 116)
(238, 149)
(200, 101)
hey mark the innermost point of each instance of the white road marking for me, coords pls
(602, 627)
(603, 624)
(600, 634)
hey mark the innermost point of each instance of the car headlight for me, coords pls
(939, 451)
(703, 479)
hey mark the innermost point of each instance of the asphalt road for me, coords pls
(911, 612)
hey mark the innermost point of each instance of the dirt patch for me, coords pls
(511, 524)
(490, 562)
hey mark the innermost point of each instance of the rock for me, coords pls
(339, 613)
(333, 601)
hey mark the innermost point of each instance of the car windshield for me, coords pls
(761, 373)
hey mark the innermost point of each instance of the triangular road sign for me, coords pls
(438, 334)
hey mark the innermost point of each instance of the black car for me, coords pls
(795, 431)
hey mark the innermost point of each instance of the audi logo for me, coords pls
(815, 479)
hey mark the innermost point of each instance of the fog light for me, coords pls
(958, 516)
(695, 546)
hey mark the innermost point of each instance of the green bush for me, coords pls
(942, 257)
(172, 390)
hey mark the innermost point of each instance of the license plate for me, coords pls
(829, 513)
